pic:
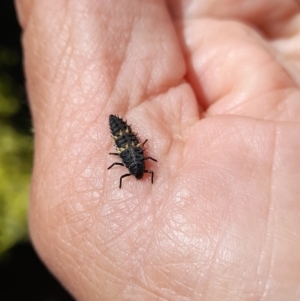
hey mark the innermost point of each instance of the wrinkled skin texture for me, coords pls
(214, 86)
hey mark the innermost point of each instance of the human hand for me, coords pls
(214, 87)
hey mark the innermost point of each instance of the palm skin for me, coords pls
(214, 86)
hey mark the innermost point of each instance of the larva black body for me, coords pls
(129, 148)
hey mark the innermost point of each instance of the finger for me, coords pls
(259, 13)
(234, 71)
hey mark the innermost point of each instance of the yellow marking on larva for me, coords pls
(121, 149)
(127, 130)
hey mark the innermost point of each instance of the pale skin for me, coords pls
(214, 87)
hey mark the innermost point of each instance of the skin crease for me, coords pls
(214, 87)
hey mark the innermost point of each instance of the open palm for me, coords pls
(214, 87)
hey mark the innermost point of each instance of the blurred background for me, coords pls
(22, 275)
